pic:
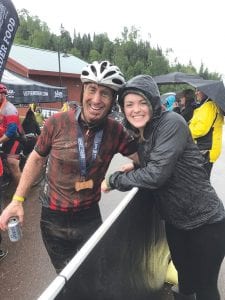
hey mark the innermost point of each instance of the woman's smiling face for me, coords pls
(137, 110)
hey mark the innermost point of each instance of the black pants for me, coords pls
(64, 233)
(197, 255)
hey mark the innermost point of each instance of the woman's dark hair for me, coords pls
(30, 124)
(189, 94)
(30, 115)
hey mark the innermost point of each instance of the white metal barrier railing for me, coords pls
(58, 283)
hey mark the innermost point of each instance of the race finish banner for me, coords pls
(119, 261)
(9, 22)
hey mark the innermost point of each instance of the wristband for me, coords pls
(18, 198)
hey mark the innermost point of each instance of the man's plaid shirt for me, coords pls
(59, 140)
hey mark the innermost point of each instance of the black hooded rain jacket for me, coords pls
(171, 167)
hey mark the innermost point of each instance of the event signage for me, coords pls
(23, 90)
(9, 23)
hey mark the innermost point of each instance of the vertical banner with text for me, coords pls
(9, 23)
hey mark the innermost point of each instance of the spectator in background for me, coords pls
(186, 103)
(39, 116)
(33, 106)
(65, 107)
(11, 132)
(70, 105)
(32, 130)
(73, 104)
(206, 128)
(170, 100)
(176, 104)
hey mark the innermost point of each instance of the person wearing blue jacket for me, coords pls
(170, 100)
(171, 168)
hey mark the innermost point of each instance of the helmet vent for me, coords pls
(109, 74)
(85, 73)
(103, 66)
(117, 81)
(93, 69)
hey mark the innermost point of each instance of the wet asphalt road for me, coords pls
(27, 270)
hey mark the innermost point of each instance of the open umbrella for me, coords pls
(175, 77)
(214, 89)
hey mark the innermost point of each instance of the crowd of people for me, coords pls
(205, 120)
(172, 153)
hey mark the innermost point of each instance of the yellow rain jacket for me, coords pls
(206, 128)
(65, 107)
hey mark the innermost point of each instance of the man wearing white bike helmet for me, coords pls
(79, 145)
(101, 81)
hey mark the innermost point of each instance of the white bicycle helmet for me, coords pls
(103, 73)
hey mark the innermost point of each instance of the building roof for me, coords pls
(45, 60)
(9, 77)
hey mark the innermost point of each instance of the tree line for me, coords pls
(130, 52)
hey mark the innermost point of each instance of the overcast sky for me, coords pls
(194, 29)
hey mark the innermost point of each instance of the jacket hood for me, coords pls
(169, 102)
(146, 85)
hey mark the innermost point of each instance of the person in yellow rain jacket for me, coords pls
(65, 107)
(69, 105)
(33, 106)
(206, 128)
(39, 116)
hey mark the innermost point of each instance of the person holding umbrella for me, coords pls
(206, 128)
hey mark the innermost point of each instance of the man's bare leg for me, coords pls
(14, 167)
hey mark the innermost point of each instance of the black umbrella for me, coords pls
(214, 89)
(175, 77)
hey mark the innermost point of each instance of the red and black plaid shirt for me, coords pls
(59, 140)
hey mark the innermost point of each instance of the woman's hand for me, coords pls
(104, 187)
(127, 167)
